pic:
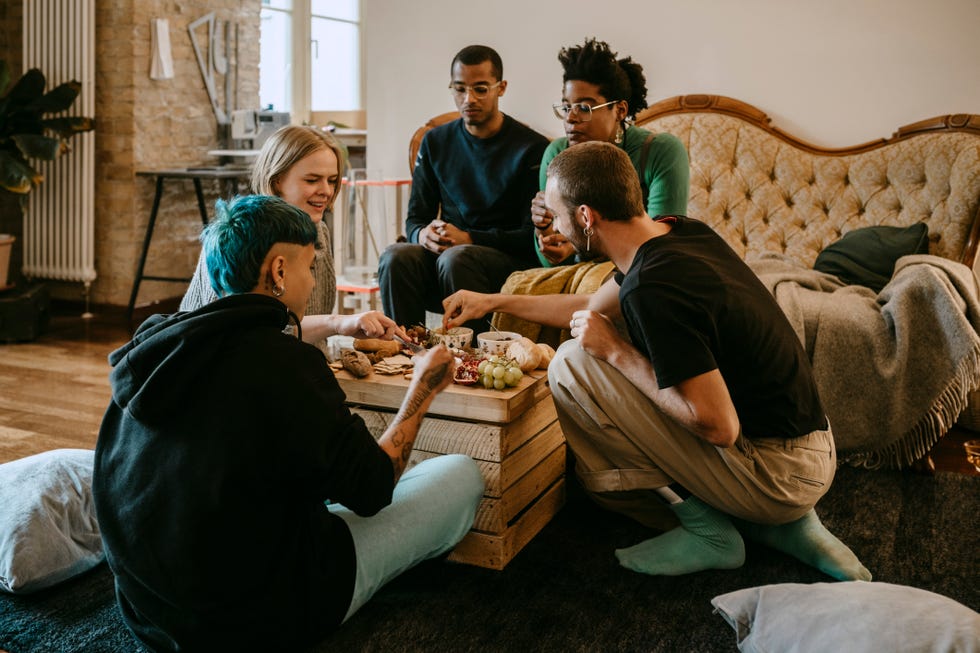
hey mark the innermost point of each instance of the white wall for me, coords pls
(832, 72)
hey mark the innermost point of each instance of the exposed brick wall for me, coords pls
(145, 124)
(11, 12)
(149, 124)
(11, 220)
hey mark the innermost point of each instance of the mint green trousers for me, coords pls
(432, 508)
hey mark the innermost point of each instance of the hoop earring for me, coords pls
(278, 290)
(589, 232)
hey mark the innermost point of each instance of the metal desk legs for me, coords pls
(149, 236)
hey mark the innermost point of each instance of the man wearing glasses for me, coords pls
(469, 222)
(703, 419)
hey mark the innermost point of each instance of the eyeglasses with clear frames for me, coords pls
(478, 90)
(583, 109)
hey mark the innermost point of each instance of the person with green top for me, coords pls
(701, 418)
(600, 98)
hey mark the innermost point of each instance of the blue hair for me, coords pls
(243, 231)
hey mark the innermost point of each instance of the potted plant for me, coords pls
(26, 134)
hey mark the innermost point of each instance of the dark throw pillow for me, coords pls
(866, 256)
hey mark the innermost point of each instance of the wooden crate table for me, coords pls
(514, 437)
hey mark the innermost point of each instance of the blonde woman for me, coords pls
(304, 165)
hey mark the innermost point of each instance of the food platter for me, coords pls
(474, 367)
(457, 401)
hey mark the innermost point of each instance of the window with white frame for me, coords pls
(275, 55)
(310, 55)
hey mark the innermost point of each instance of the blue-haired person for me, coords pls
(241, 504)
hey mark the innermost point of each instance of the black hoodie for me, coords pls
(223, 440)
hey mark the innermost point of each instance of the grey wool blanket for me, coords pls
(894, 369)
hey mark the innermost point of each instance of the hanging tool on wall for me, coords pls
(216, 61)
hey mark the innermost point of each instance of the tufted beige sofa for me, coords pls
(766, 191)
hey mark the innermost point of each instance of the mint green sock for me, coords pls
(706, 539)
(809, 541)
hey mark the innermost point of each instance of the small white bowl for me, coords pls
(455, 338)
(495, 343)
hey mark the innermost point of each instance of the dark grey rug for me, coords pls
(565, 592)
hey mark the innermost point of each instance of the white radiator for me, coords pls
(59, 226)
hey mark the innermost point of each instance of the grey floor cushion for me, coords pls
(48, 529)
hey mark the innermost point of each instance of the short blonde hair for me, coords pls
(285, 148)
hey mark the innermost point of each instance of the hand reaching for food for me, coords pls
(371, 324)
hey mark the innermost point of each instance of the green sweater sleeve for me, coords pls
(667, 176)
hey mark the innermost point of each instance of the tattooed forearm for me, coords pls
(427, 383)
(433, 377)
(398, 439)
(400, 449)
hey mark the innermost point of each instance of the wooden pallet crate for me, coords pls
(504, 452)
(514, 437)
(495, 550)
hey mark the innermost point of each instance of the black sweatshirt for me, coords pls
(483, 186)
(223, 440)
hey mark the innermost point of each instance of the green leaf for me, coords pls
(16, 175)
(28, 88)
(57, 99)
(69, 125)
(25, 134)
(33, 146)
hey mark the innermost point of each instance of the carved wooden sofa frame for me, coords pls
(765, 191)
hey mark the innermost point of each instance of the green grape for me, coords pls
(499, 384)
(499, 371)
(513, 376)
(483, 366)
(487, 381)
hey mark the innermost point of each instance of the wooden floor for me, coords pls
(54, 390)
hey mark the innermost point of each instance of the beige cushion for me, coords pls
(764, 194)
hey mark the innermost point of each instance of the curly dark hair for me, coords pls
(617, 79)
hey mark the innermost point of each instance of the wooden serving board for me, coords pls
(459, 401)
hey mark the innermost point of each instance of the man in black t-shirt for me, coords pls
(710, 407)
(469, 214)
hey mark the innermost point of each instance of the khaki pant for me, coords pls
(626, 448)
